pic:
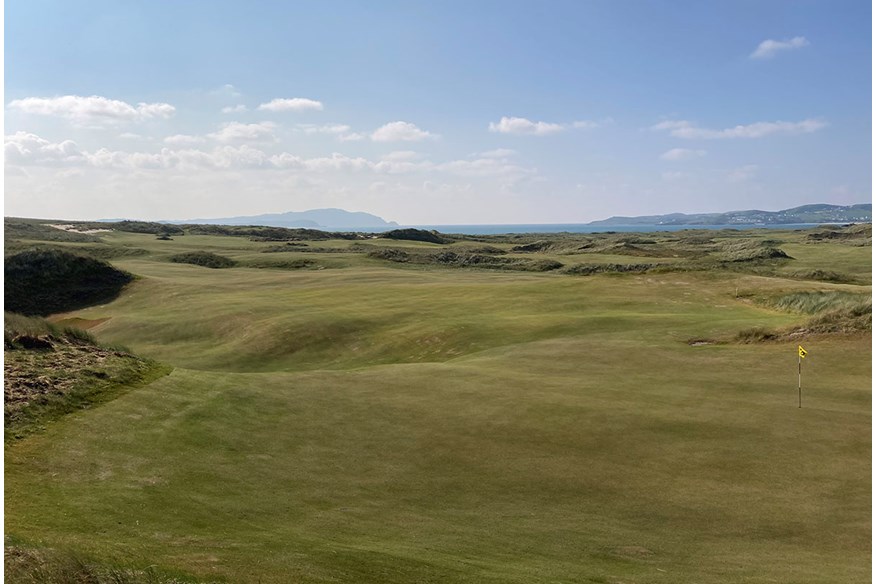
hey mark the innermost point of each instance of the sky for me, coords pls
(431, 113)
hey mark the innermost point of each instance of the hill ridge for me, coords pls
(813, 213)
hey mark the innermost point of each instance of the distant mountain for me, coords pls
(820, 213)
(315, 218)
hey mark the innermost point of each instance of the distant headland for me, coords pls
(818, 213)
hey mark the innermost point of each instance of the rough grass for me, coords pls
(750, 250)
(51, 371)
(813, 302)
(30, 565)
(416, 235)
(462, 258)
(41, 282)
(836, 311)
(204, 259)
(34, 229)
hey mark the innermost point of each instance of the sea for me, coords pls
(575, 228)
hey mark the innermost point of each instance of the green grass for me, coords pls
(44, 281)
(380, 422)
(33, 565)
(69, 372)
(204, 259)
(821, 301)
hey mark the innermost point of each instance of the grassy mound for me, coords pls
(203, 258)
(45, 281)
(825, 276)
(750, 250)
(263, 233)
(834, 311)
(34, 229)
(463, 259)
(590, 269)
(821, 301)
(51, 371)
(415, 235)
(147, 227)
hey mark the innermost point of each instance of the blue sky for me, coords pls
(435, 112)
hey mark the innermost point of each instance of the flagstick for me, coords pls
(799, 380)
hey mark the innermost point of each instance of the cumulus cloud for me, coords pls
(768, 48)
(92, 110)
(238, 132)
(677, 154)
(484, 167)
(294, 104)
(400, 132)
(183, 139)
(351, 137)
(497, 153)
(335, 162)
(588, 124)
(324, 129)
(234, 109)
(401, 155)
(26, 149)
(510, 125)
(523, 126)
(685, 129)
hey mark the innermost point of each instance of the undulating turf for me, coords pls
(370, 422)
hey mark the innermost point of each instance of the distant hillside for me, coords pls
(820, 213)
(329, 218)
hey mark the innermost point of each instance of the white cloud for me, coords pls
(671, 125)
(509, 125)
(335, 162)
(130, 136)
(26, 149)
(402, 155)
(742, 174)
(93, 110)
(523, 126)
(484, 167)
(226, 90)
(768, 48)
(294, 104)
(351, 137)
(677, 154)
(238, 132)
(400, 132)
(234, 109)
(183, 139)
(587, 124)
(402, 165)
(324, 129)
(685, 129)
(497, 153)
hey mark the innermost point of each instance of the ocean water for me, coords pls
(578, 228)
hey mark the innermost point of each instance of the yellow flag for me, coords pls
(801, 351)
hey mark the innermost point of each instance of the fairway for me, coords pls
(362, 421)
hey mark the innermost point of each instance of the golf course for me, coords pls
(607, 408)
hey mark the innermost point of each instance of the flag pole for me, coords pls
(799, 380)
